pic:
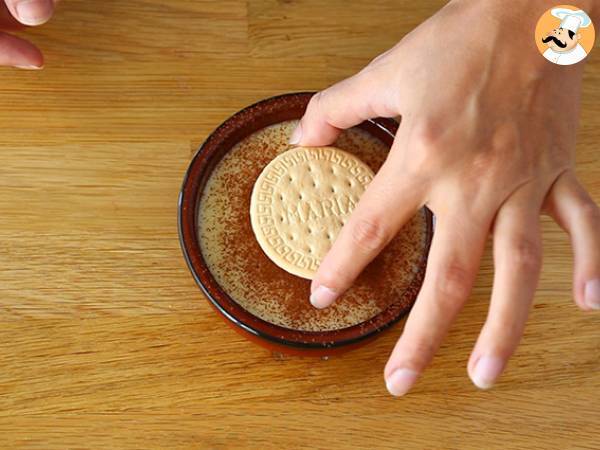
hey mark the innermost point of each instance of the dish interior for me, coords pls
(248, 276)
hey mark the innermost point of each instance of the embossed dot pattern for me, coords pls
(326, 185)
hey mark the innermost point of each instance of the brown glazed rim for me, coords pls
(245, 122)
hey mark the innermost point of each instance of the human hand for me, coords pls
(14, 14)
(486, 142)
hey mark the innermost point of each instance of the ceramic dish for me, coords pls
(244, 262)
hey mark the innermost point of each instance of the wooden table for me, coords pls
(105, 340)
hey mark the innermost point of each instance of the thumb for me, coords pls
(7, 21)
(363, 96)
(31, 12)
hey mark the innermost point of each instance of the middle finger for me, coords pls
(454, 259)
(517, 263)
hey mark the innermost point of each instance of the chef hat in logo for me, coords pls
(572, 20)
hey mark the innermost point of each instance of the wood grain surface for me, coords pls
(105, 340)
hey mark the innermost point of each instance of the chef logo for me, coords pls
(564, 35)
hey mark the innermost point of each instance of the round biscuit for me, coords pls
(301, 200)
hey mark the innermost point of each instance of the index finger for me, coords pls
(387, 204)
(17, 52)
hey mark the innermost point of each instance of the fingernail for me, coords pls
(296, 135)
(486, 371)
(34, 12)
(400, 381)
(30, 67)
(322, 297)
(592, 294)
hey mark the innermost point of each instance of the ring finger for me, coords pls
(517, 263)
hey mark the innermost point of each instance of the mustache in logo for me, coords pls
(556, 41)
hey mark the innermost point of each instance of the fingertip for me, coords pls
(30, 58)
(486, 370)
(33, 12)
(591, 294)
(314, 134)
(322, 297)
(579, 296)
(315, 128)
(400, 381)
(17, 52)
(29, 67)
(296, 135)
